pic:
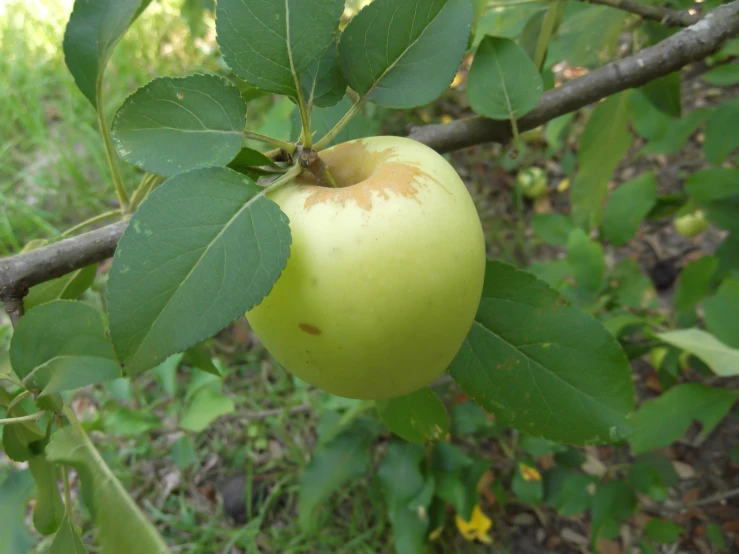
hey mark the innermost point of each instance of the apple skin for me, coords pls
(385, 271)
(691, 224)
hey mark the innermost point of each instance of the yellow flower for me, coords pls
(477, 528)
(529, 473)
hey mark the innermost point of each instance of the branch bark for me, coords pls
(686, 46)
(20, 272)
(666, 16)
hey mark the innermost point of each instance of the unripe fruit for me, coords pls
(532, 182)
(692, 224)
(385, 272)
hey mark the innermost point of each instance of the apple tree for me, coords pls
(360, 261)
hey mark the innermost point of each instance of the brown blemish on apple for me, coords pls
(310, 329)
(360, 173)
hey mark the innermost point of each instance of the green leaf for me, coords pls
(15, 493)
(723, 75)
(21, 440)
(554, 273)
(723, 213)
(402, 482)
(603, 144)
(405, 53)
(418, 417)
(68, 287)
(166, 373)
(48, 512)
(714, 532)
(713, 184)
(728, 255)
(649, 122)
(92, 34)
(676, 133)
(721, 358)
(458, 485)
(67, 541)
(557, 129)
(543, 366)
(694, 283)
(506, 21)
(613, 502)
(205, 407)
(721, 311)
(722, 136)
(61, 346)
(122, 527)
(664, 94)
(198, 356)
(662, 530)
(323, 83)
(587, 35)
(567, 491)
(528, 490)
(503, 82)
(130, 423)
(552, 228)
(343, 459)
(271, 45)
(586, 260)
(175, 124)
(204, 264)
(324, 119)
(628, 206)
(660, 422)
(468, 419)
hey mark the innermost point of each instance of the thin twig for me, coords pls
(21, 419)
(261, 414)
(718, 497)
(97, 219)
(665, 16)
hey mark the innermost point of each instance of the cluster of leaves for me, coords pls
(206, 245)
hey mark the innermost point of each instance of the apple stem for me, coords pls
(310, 160)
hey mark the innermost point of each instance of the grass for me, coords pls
(53, 170)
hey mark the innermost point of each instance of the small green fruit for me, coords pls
(690, 225)
(532, 182)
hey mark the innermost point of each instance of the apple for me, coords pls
(385, 271)
(532, 182)
(691, 224)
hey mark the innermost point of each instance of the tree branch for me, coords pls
(20, 272)
(666, 16)
(686, 46)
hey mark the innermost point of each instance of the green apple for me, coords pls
(532, 182)
(385, 271)
(691, 224)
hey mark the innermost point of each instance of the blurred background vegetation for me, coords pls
(187, 473)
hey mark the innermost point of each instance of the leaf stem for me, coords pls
(96, 219)
(288, 147)
(13, 403)
(331, 135)
(110, 152)
(148, 183)
(21, 419)
(289, 175)
(305, 120)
